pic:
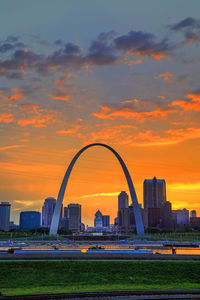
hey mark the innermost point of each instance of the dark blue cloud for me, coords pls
(186, 23)
(107, 49)
(11, 43)
(6, 47)
(59, 43)
(190, 27)
(12, 39)
(143, 43)
(20, 61)
(101, 50)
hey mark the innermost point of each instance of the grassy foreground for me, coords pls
(26, 277)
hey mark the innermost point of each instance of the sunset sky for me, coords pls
(125, 73)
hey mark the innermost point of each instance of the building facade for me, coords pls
(154, 198)
(166, 215)
(182, 217)
(126, 220)
(125, 216)
(74, 216)
(29, 220)
(122, 200)
(101, 220)
(4, 216)
(106, 220)
(193, 214)
(47, 211)
(154, 192)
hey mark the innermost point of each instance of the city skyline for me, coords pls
(68, 79)
(49, 204)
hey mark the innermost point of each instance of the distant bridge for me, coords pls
(136, 208)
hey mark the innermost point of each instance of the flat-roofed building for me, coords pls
(47, 211)
(74, 215)
(154, 192)
(122, 200)
(4, 216)
(182, 217)
(30, 220)
(154, 197)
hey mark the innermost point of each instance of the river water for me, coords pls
(156, 249)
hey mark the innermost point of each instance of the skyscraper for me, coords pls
(47, 211)
(4, 216)
(106, 220)
(154, 192)
(166, 215)
(154, 197)
(29, 219)
(122, 200)
(74, 214)
(126, 219)
(66, 212)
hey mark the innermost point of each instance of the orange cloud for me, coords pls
(188, 105)
(16, 96)
(34, 121)
(194, 97)
(128, 113)
(131, 62)
(38, 117)
(62, 98)
(112, 134)
(169, 137)
(10, 147)
(166, 76)
(182, 186)
(99, 194)
(6, 118)
(145, 138)
(148, 52)
(69, 131)
(24, 203)
(60, 82)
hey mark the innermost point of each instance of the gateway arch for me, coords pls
(136, 208)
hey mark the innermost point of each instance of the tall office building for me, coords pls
(122, 200)
(74, 214)
(154, 192)
(47, 211)
(4, 216)
(166, 215)
(106, 220)
(154, 197)
(29, 219)
(66, 212)
(126, 219)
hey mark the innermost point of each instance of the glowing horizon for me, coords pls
(130, 81)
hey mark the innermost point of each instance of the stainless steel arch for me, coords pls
(136, 208)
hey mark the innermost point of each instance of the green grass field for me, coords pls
(26, 277)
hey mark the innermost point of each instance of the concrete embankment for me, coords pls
(113, 294)
(96, 256)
